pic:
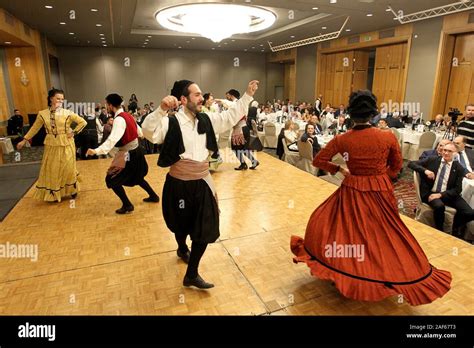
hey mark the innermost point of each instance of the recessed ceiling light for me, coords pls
(94, 10)
(98, 25)
(263, 50)
(253, 47)
(370, 14)
(62, 23)
(71, 33)
(245, 50)
(104, 45)
(49, 6)
(225, 43)
(348, 30)
(188, 41)
(315, 8)
(213, 48)
(101, 34)
(146, 40)
(8, 42)
(324, 28)
(333, 1)
(149, 36)
(292, 36)
(261, 45)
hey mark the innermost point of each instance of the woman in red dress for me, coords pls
(356, 238)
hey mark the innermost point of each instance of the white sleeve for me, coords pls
(155, 126)
(223, 121)
(118, 129)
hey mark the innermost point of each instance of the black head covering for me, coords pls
(180, 88)
(362, 105)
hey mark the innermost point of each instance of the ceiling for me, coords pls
(129, 23)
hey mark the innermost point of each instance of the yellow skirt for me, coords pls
(58, 175)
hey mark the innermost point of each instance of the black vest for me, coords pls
(173, 145)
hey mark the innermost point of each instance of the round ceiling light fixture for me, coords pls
(215, 21)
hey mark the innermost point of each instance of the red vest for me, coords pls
(131, 132)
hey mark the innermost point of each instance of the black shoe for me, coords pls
(243, 166)
(152, 199)
(184, 255)
(255, 165)
(198, 282)
(74, 195)
(125, 210)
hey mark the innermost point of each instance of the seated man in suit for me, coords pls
(441, 185)
(435, 152)
(465, 155)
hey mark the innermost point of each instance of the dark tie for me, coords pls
(461, 160)
(441, 177)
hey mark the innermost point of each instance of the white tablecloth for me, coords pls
(6, 144)
(411, 141)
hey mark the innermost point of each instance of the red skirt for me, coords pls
(357, 239)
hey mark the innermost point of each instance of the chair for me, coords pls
(424, 213)
(305, 150)
(397, 135)
(261, 135)
(427, 140)
(289, 156)
(270, 135)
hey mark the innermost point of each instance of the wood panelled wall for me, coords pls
(389, 75)
(461, 78)
(335, 81)
(25, 58)
(290, 82)
(454, 82)
(4, 103)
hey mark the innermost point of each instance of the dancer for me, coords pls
(58, 175)
(189, 198)
(369, 256)
(129, 166)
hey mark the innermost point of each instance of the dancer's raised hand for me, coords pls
(169, 102)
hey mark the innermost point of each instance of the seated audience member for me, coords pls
(441, 186)
(340, 125)
(290, 135)
(439, 122)
(314, 120)
(310, 136)
(395, 121)
(465, 155)
(340, 111)
(15, 123)
(382, 124)
(435, 152)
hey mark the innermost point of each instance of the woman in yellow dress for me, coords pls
(58, 175)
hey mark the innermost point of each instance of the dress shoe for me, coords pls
(184, 255)
(255, 165)
(152, 199)
(198, 282)
(243, 166)
(125, 210)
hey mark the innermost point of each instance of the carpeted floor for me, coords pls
(15, 180)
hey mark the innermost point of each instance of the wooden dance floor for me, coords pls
(92, 261)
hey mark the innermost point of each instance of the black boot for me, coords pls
(184, 255)
(125, 209)
(255, 165)
(198, 282)
(243, 166)
(152, 199)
